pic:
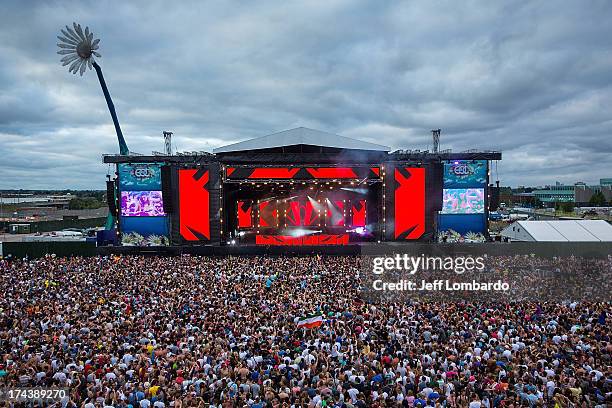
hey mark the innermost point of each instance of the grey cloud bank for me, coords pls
(532, 79)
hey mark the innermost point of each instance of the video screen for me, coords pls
(139, 177)
(463, 201)
(142, 204)
(465, 174)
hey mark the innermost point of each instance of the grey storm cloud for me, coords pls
(532, 79)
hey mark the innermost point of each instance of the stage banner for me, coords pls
(145, 226)
(465, 174)
(302, 173)
(405, 203)
(462, 223)
(144, 231)
(198, 204)
(465, 197)
(315, 239)
(139, 177)
(142, 221)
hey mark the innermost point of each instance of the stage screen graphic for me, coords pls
(409, 203)
(245, 213)
(315, 239)
(463, 201)
(268, 214)
(194, 204)
(302, 173)
(144, 226)
(302, 213)
(462, 223)
(465, 174)
(302, 210)
(335, 213)
(359, 213)
(142, 204)
(139, 177)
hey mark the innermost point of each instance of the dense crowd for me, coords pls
(143, 332)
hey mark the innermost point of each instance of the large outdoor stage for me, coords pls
(299, 187)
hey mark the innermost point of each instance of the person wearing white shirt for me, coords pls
(550, 388)
(353, 392)
(475, 404)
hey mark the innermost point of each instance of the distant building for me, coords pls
(579, 193)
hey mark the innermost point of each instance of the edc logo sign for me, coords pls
(142, 173)
(462, 170)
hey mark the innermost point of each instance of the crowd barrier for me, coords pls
(543, 249)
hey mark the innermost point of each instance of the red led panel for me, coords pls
(332, 172)
(268, 214)
(409, 203)
(301, 173)
(335, 213)
(273, 173)
(359, 213)
(315, 239)
(194, 204)
(245, 214)
(301, 213)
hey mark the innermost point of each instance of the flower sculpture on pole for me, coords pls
(78, 48)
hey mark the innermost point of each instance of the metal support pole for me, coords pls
(123, 148)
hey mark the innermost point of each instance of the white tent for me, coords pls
(559, 231)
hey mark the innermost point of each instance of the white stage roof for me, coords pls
(301, 136)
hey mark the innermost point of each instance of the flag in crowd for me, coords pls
(310, 321)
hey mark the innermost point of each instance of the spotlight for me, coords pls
(360, 230)
(233, 242)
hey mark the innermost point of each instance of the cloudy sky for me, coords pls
(532, 79)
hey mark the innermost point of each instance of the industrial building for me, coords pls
(578, 194)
